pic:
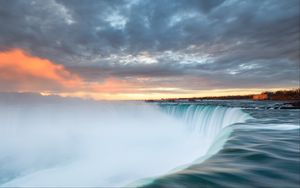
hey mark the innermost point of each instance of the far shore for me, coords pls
(282, 95)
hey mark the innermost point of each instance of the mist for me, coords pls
(53, 141)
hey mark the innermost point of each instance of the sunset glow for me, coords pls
(109, 54)
(22, 72)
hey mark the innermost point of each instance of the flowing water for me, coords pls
(51, 141)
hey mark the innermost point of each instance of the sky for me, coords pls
(148, 49)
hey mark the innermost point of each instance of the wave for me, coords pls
(280, 127)
(70, 143)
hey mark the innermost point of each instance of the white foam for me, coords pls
(281, 127)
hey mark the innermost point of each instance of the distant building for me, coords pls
(263, 96)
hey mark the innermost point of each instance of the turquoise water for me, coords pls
(263, 152)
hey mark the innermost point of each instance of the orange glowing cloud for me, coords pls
(113, 85)
(20, 71)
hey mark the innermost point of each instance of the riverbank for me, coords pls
(281, 95)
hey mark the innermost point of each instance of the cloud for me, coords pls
(227, 43)
(20, 71)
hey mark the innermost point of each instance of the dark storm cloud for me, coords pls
(231, 43)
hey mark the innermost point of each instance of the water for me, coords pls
(262, 152)
(51, 141)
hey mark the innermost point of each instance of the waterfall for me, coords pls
(205, 119)
(86, 143)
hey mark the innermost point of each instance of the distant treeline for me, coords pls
(229, 97)
(293, 94)
(286, 95)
